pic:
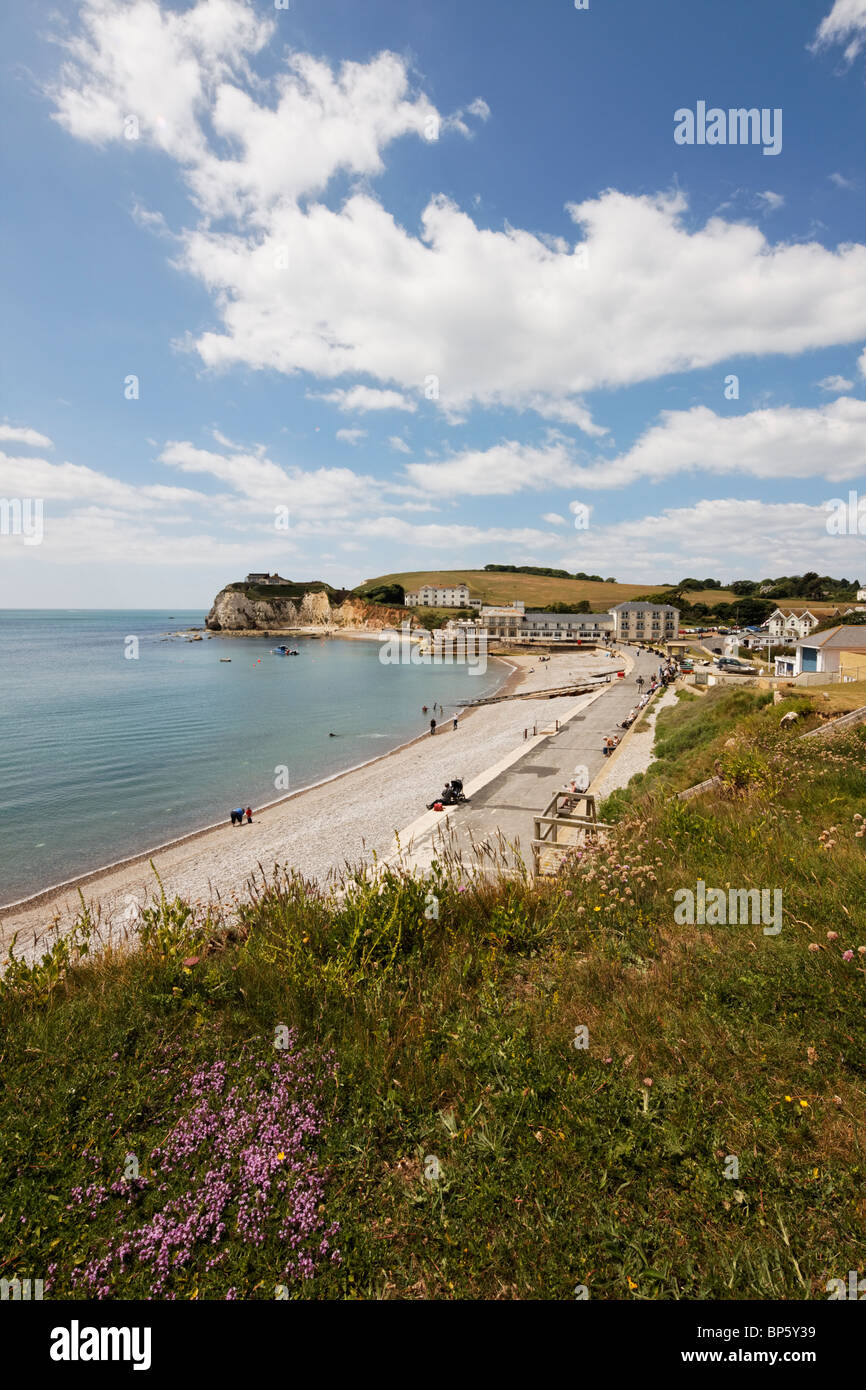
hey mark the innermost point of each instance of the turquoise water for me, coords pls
(104, 756)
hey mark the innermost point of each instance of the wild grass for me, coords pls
(457, 1143)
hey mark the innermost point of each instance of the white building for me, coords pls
(861, 595)
(432, 596)
(786, 625)
(568, 627)
(840, 651)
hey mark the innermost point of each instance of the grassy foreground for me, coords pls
(384, 1093)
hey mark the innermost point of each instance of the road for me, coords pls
(509, 803)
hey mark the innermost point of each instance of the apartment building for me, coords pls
(502, 622)
(645, 622)
(567, 627)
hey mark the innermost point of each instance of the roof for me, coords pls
(630, 606)
(848, 635)
(571, 617)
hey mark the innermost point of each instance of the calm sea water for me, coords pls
(103, 756)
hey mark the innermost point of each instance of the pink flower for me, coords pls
(813, 946)
(647, 1081)
(847, 955)
(832, 936)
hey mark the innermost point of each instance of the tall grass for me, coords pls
(453, 1136)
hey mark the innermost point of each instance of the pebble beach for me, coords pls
(319, 831)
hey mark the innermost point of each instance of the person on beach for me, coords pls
(238, 815)
(432, 726)
(455, 722)
(249, 815)
(423, 709)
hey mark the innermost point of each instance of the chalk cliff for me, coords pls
(244, 608)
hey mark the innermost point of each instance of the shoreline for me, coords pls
(352, 818)
(43, 895)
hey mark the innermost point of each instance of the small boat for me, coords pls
(225, 658)
(285, 651)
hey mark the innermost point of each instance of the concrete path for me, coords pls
(506, 804)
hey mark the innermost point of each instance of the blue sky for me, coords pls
(428, 278)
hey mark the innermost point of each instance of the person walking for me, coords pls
(455, 722)
(432, 726)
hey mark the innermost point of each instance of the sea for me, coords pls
(119, 733)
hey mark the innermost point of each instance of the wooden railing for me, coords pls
(571, 815)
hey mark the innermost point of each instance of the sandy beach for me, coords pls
(320, 830)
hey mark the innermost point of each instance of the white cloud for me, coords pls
(841, 182)
(351, 436)
(503, 469)
(771, 201)
(363, 398)
(846, 23)
(726, 537)
(554, 519)
(14, 434)
(345, 288)
(835, 384)
(861, 362)
(828, 442)
(399, 444)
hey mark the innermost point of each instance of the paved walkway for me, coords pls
(506, 805)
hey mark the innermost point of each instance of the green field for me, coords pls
(492, 587)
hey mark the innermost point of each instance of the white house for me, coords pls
(784, 625)
(838, 651)
(436, 596)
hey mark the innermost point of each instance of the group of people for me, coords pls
(433, 725)
(238, 814)
(609, 745)
(666, 674)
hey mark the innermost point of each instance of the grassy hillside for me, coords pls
(533, 589)
(381, 1096)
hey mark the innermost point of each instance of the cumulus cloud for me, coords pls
(501, 317)
(554, 519)
(730, 537)
(835, 384)
(788, 442)
(504, 468)
(13, 434)
(846, 23)
(351, 436)
(359, 399)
